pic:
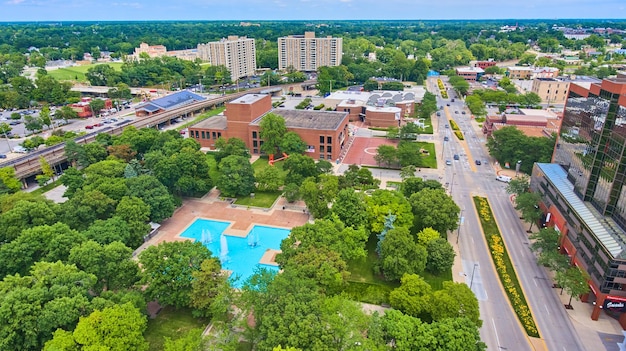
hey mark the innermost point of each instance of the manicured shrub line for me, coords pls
(459, 134)
(504, 267)
(453, 125)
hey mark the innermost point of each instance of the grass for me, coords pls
(264, 199)
(263, 162)
(77, 73)
(504, 266)
(213, 172)
(47, 187)
(201, 117)
(430, 160)
(170, 323)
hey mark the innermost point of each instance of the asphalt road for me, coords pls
(500, 330)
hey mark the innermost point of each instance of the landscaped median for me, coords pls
(504, 267)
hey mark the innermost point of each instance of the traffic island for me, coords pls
(504, 267)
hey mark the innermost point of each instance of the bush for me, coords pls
(459, 134)
(318, 107)
(292, 192)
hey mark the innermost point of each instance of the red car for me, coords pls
(98, 124)
(89, 127)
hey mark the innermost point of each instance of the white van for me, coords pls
(503, 178)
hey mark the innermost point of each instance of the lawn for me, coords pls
(430, 160)
(201, 117)
(262, 163)
(264, 199)
(170, 323)
(213, 172)
(77, 73)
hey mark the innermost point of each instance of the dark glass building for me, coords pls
(584, 190)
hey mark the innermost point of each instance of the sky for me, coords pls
(241, 10)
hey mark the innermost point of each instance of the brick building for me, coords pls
(470, 74)
(324, 132)
(83, 109)
(529, 121)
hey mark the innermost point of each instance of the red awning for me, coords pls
(616, 298)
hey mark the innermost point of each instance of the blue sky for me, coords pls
(112, 10)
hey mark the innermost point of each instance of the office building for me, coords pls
(236, 54)
(307, 53)
(584, 190)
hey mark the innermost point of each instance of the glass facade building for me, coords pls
(584, 190)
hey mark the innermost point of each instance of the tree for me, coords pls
(528, 205)
(112, 264)
(325, 267)
(299, 167)
(153, 194)
(383, 202)
(65, 113)
(476, 105)
(229, 147)
(26, 214)
(53, 296)
(190, 341)
(459, 84)
(573, 281)
(413, 185)
(350, 208)
(386, 154)
(413, 297)
(218, 75)
(269, 179)
(117, 328)
(333, 77)
(206, 285)
(435, 209)
(73, 180)
(236, 176)
(455, 300)
(400, 254)
(440, 256)
(85, 207)
(168, 270)
(527, 59)
(5, 129)
(427, 235)
(319, 194)
(44, 115)
(75, 154)
(509, 144)
(291, 143)
(272, 129)
(96, 105)
(291, 192)
(8, 182)
(32, 123)
(409, 153)
(518, 185)
(325, 233)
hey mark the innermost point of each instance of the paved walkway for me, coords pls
(211, 206)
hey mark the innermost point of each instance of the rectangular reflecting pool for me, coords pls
(239, 255)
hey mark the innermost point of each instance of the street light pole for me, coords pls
(458, 232)
(472, 279)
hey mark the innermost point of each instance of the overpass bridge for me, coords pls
(28, 165)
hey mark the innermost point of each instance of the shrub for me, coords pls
(318, 107)
(454, 126)
(459, 134)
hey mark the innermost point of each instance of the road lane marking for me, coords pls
(535, 281)
(496, 331)
(522, 251)
(544, 305)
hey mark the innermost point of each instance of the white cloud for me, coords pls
(14, 2)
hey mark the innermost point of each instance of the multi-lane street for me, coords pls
(500, 330)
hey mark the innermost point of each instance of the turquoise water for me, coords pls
(242, 258)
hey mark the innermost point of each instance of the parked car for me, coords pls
(462, 112)
(502, 178)
(478, 163)
(99, 124)
(3, 156)
(89, 127)
(457, 112)
(446, 138)
(456, 157)
(448, 162)
(447, 126)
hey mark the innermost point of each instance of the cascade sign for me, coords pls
(614, 305)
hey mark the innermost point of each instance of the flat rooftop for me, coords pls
(533, 112)
(248, 99)
(390, 109)
(308, 119)
(215, 122)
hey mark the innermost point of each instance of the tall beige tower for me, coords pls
(237, 54)
(307, 53)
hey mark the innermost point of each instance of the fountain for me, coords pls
(207, 237)
(223, 249)
(253, 239)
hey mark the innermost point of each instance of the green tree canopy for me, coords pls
(435, 209)
(236, 176)
(401, 255)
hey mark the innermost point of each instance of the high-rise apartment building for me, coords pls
(237, 54)
(584, 189)
(307, 53)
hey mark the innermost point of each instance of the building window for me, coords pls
(203, 136)
(329, 148)
(214, 135)
(329, 157)
(321, 148)
(254, 134)
(197, 135)
(321, 156)
(329, 140)
(219, 135)
(255, 143)
(255, 151)
(321, 139)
